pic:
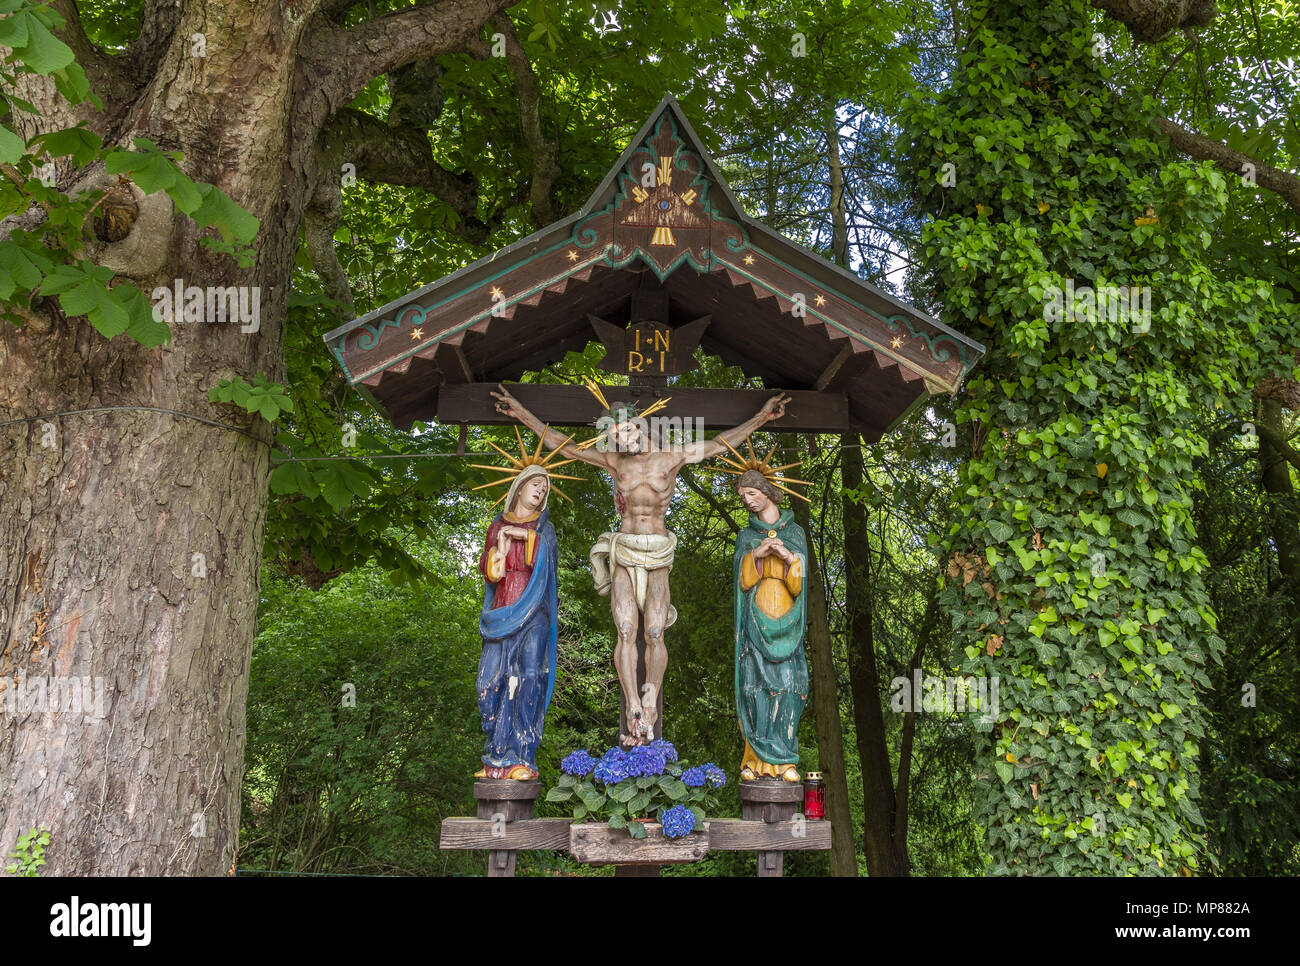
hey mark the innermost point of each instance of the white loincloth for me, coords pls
(638, 554)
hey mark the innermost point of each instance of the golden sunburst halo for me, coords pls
(742, 464)
(525, 459)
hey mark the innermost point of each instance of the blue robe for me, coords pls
(519, 644)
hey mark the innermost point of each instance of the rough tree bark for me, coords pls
(884, 818)
(826, 708)
(1151, 21)
(131, 539)
(1275, 455)
(884, 824)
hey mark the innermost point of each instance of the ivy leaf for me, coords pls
(1000, 531)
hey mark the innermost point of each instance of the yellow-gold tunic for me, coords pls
(771, 671)
(778, 586)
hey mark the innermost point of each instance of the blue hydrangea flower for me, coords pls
(678, 821)
(612, 767)
(714, 776)
(579, 764)
(645, 760)
(695, 777)
(665, 748)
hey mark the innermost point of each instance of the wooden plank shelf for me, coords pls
(598, 844)
(740, 835)
(505, 826)
(548, 834)
(560, 835)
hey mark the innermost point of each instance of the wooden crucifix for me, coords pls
(632, 564)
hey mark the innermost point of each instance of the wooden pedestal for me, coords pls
(771, 827)
(770, 800)
(503, 800)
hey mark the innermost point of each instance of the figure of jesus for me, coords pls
(633, 563)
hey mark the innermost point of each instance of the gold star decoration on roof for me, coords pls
(896, 342)
(749, 259)
(573, 256)
(525, 460)
(417, 334)
(741, 465)
(820, 299)
(497, 293)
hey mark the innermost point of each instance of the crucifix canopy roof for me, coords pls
(662, 239)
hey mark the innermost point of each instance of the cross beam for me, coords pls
(807, 412)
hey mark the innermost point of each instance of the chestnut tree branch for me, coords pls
(1283, 183)
(543, 150)
(347, 59)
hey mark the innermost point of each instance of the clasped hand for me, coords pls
(773, 547)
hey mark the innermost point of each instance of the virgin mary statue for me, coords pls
(516, 673)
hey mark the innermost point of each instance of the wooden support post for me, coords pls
(625, 728)
(504, 800)
(770, 800)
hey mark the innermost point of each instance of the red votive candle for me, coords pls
(814, 796)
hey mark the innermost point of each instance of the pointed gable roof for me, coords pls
(663, 218)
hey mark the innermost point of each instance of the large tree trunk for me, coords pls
(130, 539)
(884, 830)
(826, 709)
(1275, 480)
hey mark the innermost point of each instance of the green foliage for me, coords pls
(29, 855)
(1250, 801)
(1021, 137)
(267, 399)
(1076, 547)
(48, 258)
(359, 735)
(153, 169)
(621, 804)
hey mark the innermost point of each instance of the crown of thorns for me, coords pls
(621, 412)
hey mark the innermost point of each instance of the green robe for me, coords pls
(771, 672)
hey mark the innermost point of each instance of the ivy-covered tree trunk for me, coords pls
(132, 508)
(1073, 575)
